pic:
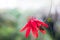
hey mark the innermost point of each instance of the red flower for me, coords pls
(34, 25)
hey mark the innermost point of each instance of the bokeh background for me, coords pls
(14, 14)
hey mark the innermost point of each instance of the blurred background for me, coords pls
(14, 13)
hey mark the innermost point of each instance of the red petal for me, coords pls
(35, 33)
(27, 32)
(43, 31)
(23, 29)
(38, 22)
(44, 24)
(34, 25)
(41, 23)
(26, 26)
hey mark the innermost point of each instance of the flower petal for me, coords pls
(41, 23)
(38, 22)
(44, 24)
(43, 31)
(25, 27)
(27, 32)
(34, 25)
(35, 33)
